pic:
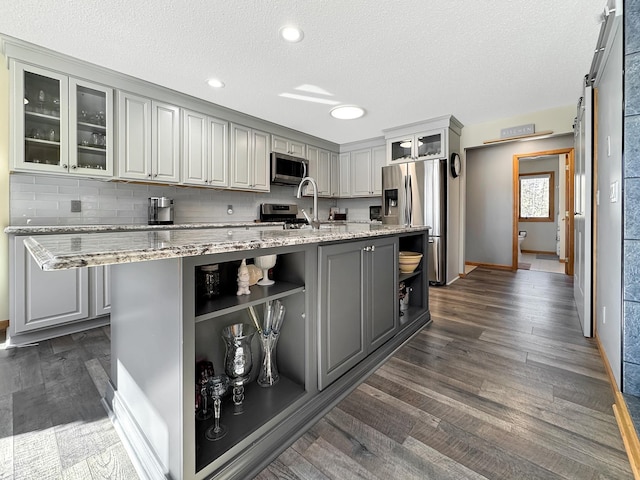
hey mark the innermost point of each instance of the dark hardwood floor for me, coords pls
(502, 385)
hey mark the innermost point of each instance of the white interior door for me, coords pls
(583, 179)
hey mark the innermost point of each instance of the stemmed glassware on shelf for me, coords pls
(269, 333)
(218, 387)
(265, 262)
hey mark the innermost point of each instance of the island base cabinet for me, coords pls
(358, 303)
(162, 327)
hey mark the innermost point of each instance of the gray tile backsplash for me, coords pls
(46, 200)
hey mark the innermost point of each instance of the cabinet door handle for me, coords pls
(155, 175)
(366, 249)
(372, 248)
(73, 167)
(65, 166)
(149, 175)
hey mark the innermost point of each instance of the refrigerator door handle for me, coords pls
(406, 203)
(410, 203)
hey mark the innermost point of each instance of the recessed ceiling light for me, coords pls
(215, 83)
(347, 112)
(291, 34)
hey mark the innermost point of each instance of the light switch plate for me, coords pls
(613, 192)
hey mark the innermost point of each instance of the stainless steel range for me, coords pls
(277, 212)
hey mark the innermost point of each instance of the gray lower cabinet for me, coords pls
(42, 301)
(358, 303)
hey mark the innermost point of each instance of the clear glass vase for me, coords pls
(268, 369)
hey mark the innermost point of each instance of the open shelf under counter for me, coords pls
(260, 405)
(407, 276)
(214, 307)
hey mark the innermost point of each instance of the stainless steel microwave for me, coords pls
(288, 170)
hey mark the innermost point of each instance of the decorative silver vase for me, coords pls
(238, 361)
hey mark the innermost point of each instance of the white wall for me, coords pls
(609, 214)
(488, 234)
(541, 236)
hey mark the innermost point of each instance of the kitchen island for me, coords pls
(339, 286)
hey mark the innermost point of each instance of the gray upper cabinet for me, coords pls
(249, 159)
(334, 175)
(319, 169)
(420, 146)
(62, 125)
(91, 129)
(165, 142)
(361, 173)
(358, 306)
(287, 146)
(205, 154)
(432, 139)
(378, 160)
(345, 175)
(134, 137)
(148, 139)
(366, 171)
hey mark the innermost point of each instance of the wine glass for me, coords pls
(265, 263)
(219, 386)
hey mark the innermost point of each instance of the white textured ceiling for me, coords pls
(402, 60)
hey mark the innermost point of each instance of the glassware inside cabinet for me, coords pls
(91, 128)
(41, 119)
(430, 145)
(401, 149)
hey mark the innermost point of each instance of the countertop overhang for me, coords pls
(54, 229)
(74, 250)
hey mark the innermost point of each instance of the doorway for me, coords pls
(550, 232)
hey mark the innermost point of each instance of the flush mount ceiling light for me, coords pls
(215, 83)
(347, 112)
(291, 34)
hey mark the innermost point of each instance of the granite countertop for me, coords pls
(53, 229)
(64, 251)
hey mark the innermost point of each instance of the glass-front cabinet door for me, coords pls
(430, 145)
(63, 125)
(421, 146)
(402, 149)
(90, 139)
(42, 134)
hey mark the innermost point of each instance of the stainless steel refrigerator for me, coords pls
(416, 194)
